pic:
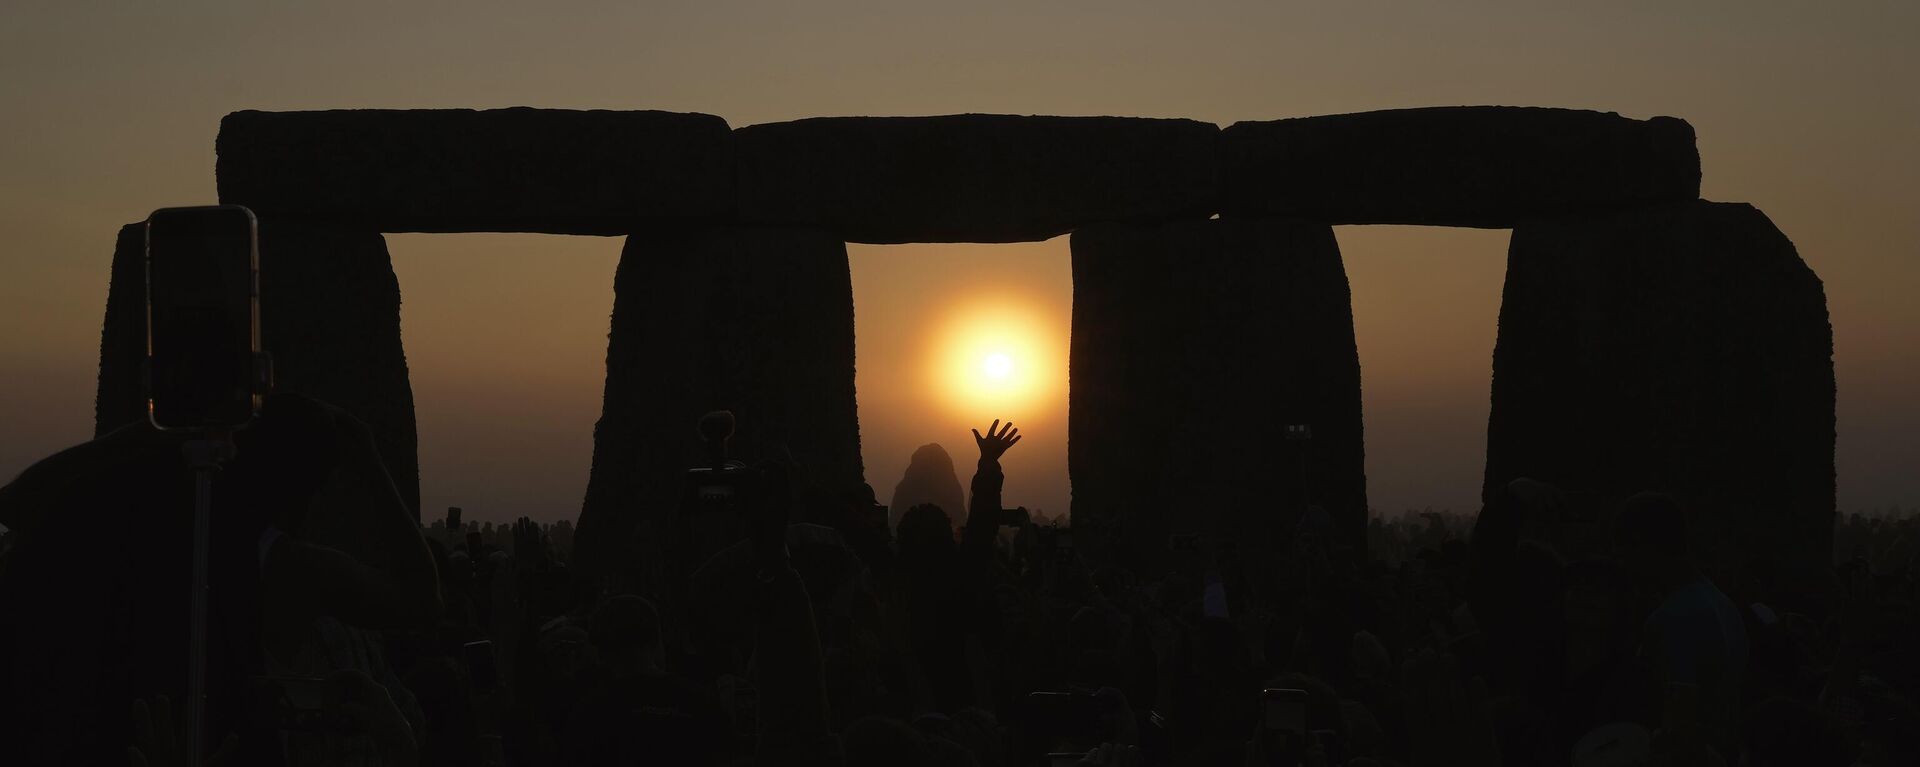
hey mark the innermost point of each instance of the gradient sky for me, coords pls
(1806, 109)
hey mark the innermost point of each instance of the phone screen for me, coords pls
(480, 665)
(202, 317)
(1284, 710)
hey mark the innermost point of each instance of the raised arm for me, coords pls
(983, 509)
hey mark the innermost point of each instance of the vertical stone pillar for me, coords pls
(120, 397)
(1683, 348)
(329, 314)
(754, 320)
(1194, 345)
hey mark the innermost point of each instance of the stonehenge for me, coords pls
(1648, 339)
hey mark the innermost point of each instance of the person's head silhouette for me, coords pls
(625, 630)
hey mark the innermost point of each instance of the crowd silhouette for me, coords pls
(344, 632)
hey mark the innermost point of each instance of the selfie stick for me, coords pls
(205, 455)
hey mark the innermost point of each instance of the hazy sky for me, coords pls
(1808, 110)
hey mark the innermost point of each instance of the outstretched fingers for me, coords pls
(998, 438)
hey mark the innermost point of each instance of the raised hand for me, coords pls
(995, 445)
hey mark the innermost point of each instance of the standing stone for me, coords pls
(329, 315)
(756, 321)
(1455, 166)
(120, 398)
(1194, 345)
(1683, 348)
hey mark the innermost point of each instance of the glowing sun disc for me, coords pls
(996, 356)
(998, 365)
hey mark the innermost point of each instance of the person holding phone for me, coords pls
(306, 524)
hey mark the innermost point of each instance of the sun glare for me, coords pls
(998, 365)
(995, 357)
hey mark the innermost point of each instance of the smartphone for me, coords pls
(1213, 596)
(204, 366)
(480, 664)
(298, 704)
(1283, 710)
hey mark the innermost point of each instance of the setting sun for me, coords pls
(995, 356)
(998, 365)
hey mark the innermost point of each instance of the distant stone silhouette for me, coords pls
(929, 478)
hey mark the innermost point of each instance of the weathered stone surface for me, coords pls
(1684, 348)
(1194, 345)
(757, 321)
(498, 170)
(973, 178)
(329, 315)
(1455, 166)
(929, 478)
